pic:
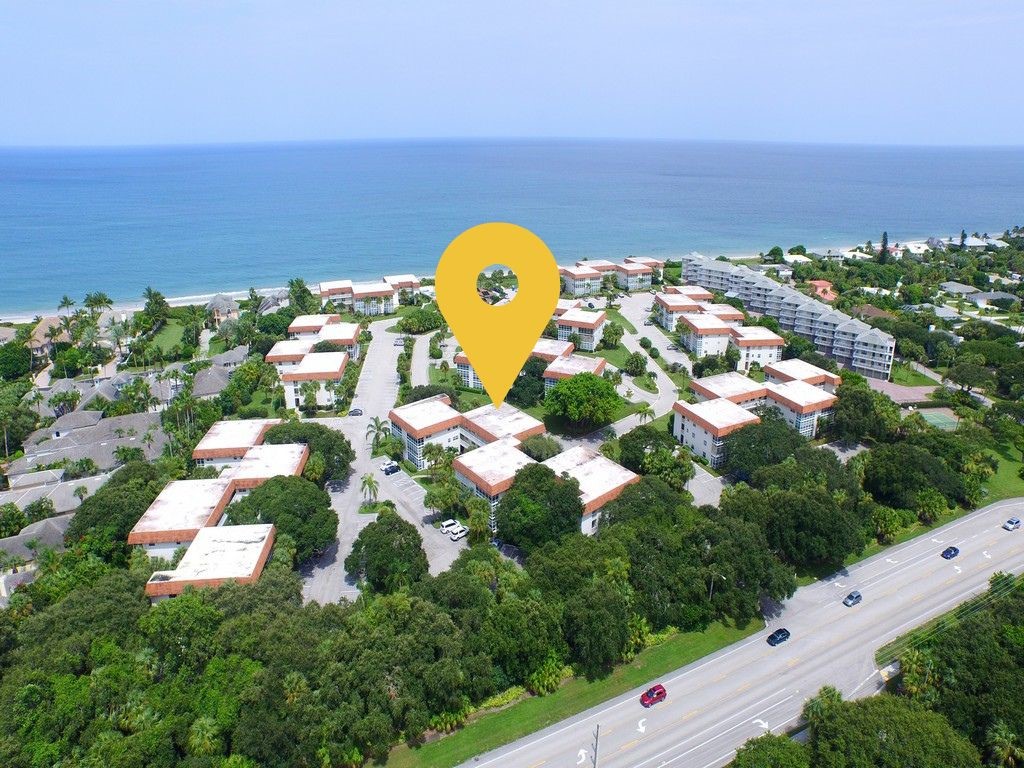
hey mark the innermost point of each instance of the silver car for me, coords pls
(1012, 524)
(459, 533)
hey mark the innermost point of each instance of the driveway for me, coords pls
(705, 487)
(325, 581)
(634, 309)
(900, 394)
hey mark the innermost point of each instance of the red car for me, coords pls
(653, 695)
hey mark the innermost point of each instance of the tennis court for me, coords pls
(940, 418)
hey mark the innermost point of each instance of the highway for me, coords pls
(715, 704)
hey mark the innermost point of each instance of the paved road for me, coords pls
(325, 581)
(716, 704)
(420, 360)
(634, 309)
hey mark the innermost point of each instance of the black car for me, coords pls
(778, 636)
(356, 412)
(950, 552)
(390, 469)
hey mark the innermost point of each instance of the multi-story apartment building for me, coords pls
(466, 372)
(226, 442)
(756, 344)
(703, 335)
(569, 366)
(344, 335)
(670, 306)
(488, 471)
(600, 479)
(323, 369)
(549, 349)
(802, 405)
(633, 277)
(309, 326)
(796, 369)
(727, 313)
(588, 326)
(432, 420)
(488, 424)
(732, 386)
(649, 261)
(580, 281)
(694, 292)
(378, 298)
(857, 346)
(702, 427)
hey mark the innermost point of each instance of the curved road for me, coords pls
(714, 705)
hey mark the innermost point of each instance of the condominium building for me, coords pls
(727, 313)
(216, 555)
(338, 291)
(633, 277)
(324, 370)
(703, 335)
(854, 344)
(344, 335)
(288, 353)
(648, 261)
(670, 306)
(802, 405)
(466, 372)
(182, 509)
(588, 326)
(567, 367)
(756, 344)
(600, 480)
(564, 305)
(409, 283)
(263, 462)
(226, 442)
(432, 420)
(488, 424)
(603, 266)
(695, 292)
(309, 326)
(796, 369)
(549, 349)
(702, 427)
(732, 386)
(488, 471)
(374, 298)
(580, 281)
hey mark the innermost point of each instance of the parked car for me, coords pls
(391, 469)
(653, 695)
(853, 599)
(459, 533)
(355, 412)
(673, 347)
(399, 342)
(1012, 524)
(385, 465)
(449, 525)
(950, 552)
(648, 322)
(778, 636)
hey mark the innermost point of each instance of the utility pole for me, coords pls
(597, 738)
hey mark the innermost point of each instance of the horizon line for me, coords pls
(393, 140)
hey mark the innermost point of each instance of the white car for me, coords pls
(1012, 524)
(449, 525)
(459, 533)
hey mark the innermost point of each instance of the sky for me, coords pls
(186, 71)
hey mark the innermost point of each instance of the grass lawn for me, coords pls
(492, 730)
(681, 378)
(169, 335)
(262, 397)
(1005, 483)
(618, 317)
(558, 425)
(646, 383)
(217, 346)
(468, 398)
(616, 357)
(908, 377)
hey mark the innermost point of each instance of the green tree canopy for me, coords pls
(331, 444)
(583, 399)
(538, 507)
(389, 553)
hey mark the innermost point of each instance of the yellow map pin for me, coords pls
(497, 339)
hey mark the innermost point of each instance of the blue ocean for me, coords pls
(191, 220)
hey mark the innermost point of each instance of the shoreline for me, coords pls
(125, 307)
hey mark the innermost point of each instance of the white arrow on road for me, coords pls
(761, 723)
(937, 541)
(641, 726)
(891, 561)
(958, 569)
(987, 555)
(582, 757)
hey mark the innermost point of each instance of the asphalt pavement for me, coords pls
(717, 703)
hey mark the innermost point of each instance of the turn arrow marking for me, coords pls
(641, 726)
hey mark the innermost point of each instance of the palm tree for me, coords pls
(645, 412)
(1003, 747)
(377, 430)
(204, 737)
(97, 302)
(369, 486)
(66, 302)
(816, 709)
(433, 454)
